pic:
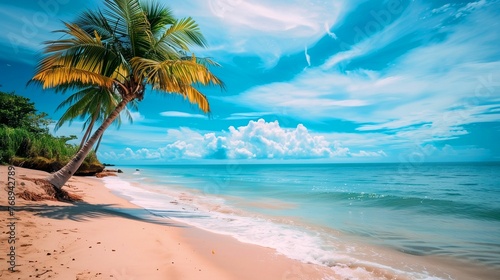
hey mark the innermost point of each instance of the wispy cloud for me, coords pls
(308, 57)
(247, 115)
(376, 84)
(26, 28)
(328, 31)
(136, 116)
(177, 114)
(470, 7)
(267, 29)
(432, 90)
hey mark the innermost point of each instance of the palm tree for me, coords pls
(125, 48)
(97, 104)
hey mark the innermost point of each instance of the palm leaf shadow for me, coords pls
(82, 211)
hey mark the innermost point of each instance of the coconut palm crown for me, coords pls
(125, 47)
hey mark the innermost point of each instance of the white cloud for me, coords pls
(265, 16)
(430, 152)
(328, 31)
(428, 94)
(470, 7)
(442, 9)
(264, 28)
(181, 149)
(181, 115)
(257, 140)
(308, 57)
(369, 154)
(247, 115)
(129, 154)
(378, 33)
(136, 116)
(26, 28)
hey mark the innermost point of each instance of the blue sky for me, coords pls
(308, 80)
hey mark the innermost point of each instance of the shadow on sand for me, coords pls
(82, 211)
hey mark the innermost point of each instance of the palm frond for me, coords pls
(111, 55)
(75, 97)
(93, 102)
(158, 16)
(177, 76)
(195, 97)
(187, 30)
(134, 105)
(73, 112)
(131, 24)
(58, 76)
(205, 61)
(180, 35)
(128, 115)
(170, 75)
(80, 59)
(95, 21)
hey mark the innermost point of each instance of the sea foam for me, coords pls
(211, 213)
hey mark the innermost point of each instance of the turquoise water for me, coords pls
(448, 210)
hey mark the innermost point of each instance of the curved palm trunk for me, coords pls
(98, 143)
(86, 136)
(59, 178)
(87, 132)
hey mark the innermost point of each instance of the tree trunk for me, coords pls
(59, 178)
(98, 143)
(86, 136)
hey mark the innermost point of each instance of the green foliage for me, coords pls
(18, 112)
(24, 137)
(22, 143)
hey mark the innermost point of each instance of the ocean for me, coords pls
(354, 218)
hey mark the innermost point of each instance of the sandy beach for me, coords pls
(107, 237)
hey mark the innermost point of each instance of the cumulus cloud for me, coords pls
(256, 140)
(131, 154)
(259, 140)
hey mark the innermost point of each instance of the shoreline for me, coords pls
(107, 237)
(366, 260)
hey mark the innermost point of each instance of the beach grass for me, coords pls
(41, 151)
